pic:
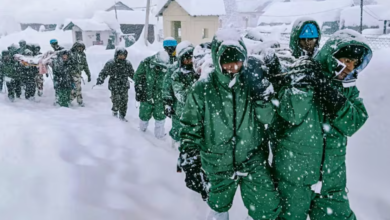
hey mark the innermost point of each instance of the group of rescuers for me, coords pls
(230, 111)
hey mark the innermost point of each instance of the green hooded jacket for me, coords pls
(220, 120)
(119, 72)
(296, 31)
(353, 115)
(80, 58)
(182, 81)
(150, 76)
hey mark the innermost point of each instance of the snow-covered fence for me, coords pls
(375, 42)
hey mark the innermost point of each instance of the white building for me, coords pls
(251, 11)
(196, 21)
(89, 31)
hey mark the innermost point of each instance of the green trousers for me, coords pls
(148, 110)
(257, 190)
(63, 97)
(174, 133)
(295, 175)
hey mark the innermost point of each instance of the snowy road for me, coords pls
(82, 164)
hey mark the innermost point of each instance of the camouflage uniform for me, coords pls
(80, 60)
(62, 71)
(119, 72)
(39, 77)
(10, 70)
(28, 77)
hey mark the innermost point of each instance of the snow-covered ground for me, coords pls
(82, 164)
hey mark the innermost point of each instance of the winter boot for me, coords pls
(213, 215)
(143, 125)
(159, 129)
(11, 99)
(40, 93)
(122, 118)
(82, 104)
(115, 114)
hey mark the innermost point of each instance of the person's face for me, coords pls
(65, 57)
(187, 61)
(350, 64)
(232, 68)
(170, 50)
(55, 45)
(80, 49)
(6, 57)
(121, 57)
(308, 44)
(22, 44)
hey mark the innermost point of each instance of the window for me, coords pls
(79, 36)
(205, 33)
(176, 30)
(98, 37)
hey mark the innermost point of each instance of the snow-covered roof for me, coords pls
(288, 12)
(124, 17)
(373, 15)
(86, 25)
(196, 7)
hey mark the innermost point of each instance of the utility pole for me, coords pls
(147, 22)
(116, 13)
(361, 16)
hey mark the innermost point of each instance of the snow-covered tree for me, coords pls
(42, 28)
(232, 19)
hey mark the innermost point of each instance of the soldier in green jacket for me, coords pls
(224, 124)
(28, 75)
(10, 69)
(149, 86)
(182, 80)
(119, 70)
(80, 59)
(63, 68)
(170, 45)
(317, 115)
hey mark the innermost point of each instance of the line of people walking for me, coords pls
(226, 121)
(25, 67)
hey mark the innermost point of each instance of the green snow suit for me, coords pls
(80, 59)
(182, 80)
(11, 70)
(306, 151)
(149, 85)
(227, 128)
(119, 72)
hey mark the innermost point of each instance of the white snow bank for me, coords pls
(42, 38)
(288, 12)
(124, 17)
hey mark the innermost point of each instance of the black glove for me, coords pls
(140, 96)
(256, 79)
(329, 97)
(169, 111)
(89, 78)
(196, 179)
(99, 82)
(306, 72)
(47, 75)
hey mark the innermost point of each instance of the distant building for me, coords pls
(88, 31)
(98, 29)
(251, 11)
(119, 6)
(196, 21)
(326, 13)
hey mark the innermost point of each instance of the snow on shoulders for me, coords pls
(228, 35)
(348, 34)
(207, 68)
(163, 56)
(183, 46)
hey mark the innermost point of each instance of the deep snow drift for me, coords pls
(82, 164)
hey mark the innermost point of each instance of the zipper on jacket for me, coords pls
(234, 141)
(323, 159)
